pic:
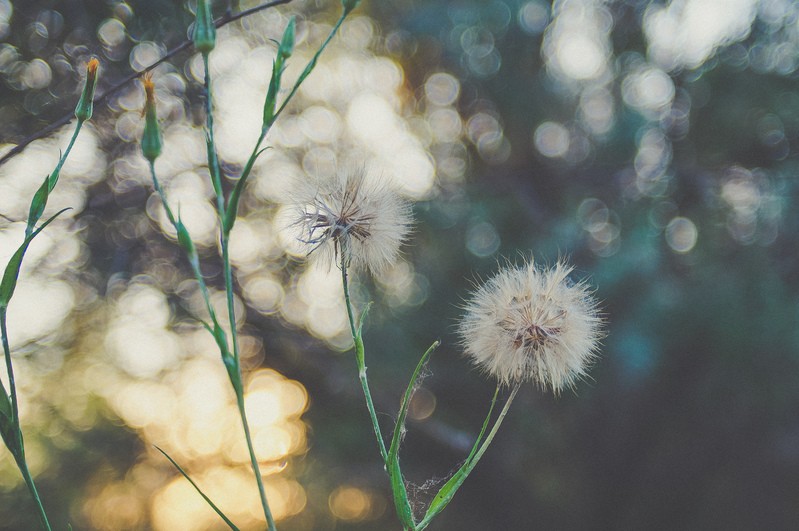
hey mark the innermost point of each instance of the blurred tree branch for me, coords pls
(225, 19)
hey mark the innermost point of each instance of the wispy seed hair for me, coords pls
(358, 214)
(532, 324)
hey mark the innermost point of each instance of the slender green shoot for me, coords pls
(270, 116)
(205, 40)
(230, 524)
(447, 492)
(232, 364)
(401, 502)
(357, 337)
(10, 427)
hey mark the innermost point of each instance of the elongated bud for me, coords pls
(287, 42)
(83, 111)
(204, 29)
(151, 138)
(349, 5)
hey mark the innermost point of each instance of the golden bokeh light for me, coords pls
(354, 504)
(138, 360)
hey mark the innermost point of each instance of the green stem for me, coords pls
(52, 179)
(224, 240)
(198, 275)
(63, 159)
(213, 160)
(162, 195)
(359, 356)
(310, 66)
(19, 452)
(232, 207)
(254, 462)
(474, 459)
(10, 368)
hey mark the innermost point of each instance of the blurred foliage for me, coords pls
(651, 142)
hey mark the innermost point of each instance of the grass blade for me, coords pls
(197, 488)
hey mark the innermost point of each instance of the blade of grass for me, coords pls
(199, 490)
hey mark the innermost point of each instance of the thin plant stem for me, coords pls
(10, 369)
(268, 125)
(474, 459)
(311, 64)
(224, 240)
(225, 19)
(63, 158)
(213, 161)
(359, 356)
(208, 500)
(19, 452)
(195, 266)
(254, 462)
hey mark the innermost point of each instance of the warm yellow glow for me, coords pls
(355, 504)
(233, 491)
(116, 506)
(162, 378)
(422, 405)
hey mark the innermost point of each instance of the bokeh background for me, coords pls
(654, 143)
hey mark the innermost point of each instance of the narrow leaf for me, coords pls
(37, 205)
(401, 502)
(197, 488)
(447, 492)
(364, 315)
(406, 400)
(11, 274)
(213, 165)
(233, 203)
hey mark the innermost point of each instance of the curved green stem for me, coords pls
(192, 259)
(270, 521)
(311, 64)
(10, 369)
(19, 451)
(224, 242)
(359, 356)
(213, 160)
(452, 486)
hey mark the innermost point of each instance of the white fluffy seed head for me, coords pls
(531, 324)
(357, 214)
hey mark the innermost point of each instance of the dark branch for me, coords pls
(227, 18)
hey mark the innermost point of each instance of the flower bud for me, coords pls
(83, 111)
(204, 29)
(151, 138)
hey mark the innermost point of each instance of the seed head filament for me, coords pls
(326, 222)
(532, 326)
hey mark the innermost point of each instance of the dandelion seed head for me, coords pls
(357, 214)
(532, 324)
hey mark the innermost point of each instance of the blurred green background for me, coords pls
(651, 142)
